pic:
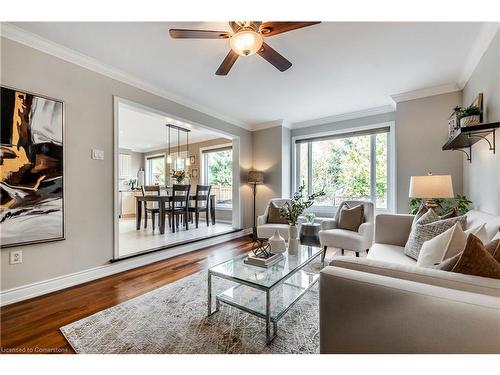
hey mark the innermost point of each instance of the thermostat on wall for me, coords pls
(97, 154)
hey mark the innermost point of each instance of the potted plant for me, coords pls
(469, 116)
(460, 203)
(132, 183)
(179, 176)
(293, 209)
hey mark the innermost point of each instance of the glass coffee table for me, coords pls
(267, 293)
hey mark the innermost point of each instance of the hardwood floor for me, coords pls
(32, 326)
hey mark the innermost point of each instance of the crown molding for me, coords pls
(343, 117)
(423, 93)
(483, 41)
(270, 124)
(37, 42)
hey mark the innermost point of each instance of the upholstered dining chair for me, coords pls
(179, 206)
(267, 224)
(150, 207)
(201, 203)
(331, 235)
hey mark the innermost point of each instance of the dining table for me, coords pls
(162, 199)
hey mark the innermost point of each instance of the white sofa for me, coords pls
(386, 304)
(265, 230)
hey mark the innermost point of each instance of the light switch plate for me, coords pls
(97, 154)
(16, 257)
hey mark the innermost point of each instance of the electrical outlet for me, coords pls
(16, 257)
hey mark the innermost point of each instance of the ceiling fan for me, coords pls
(247, 39)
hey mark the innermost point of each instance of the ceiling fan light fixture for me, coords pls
(246, 42)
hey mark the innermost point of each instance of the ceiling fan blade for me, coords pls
(274, 28)
(274, 57)
(228, 62)
(198, 34)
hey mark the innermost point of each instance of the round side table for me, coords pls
(309, 234)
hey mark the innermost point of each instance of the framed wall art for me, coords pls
(32, 165)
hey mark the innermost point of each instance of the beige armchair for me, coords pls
(265, 229)
(362, 240)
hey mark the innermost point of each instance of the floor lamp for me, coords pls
(255, 178)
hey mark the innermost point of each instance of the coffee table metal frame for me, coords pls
(267, 316)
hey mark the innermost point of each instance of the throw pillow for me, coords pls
(476, 260)
(426, 228)
(448, 264)
(493, 248)
(461, 240)
(451, 241)
(273, 215)
(423, 210)
(351, 218)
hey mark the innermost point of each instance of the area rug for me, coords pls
(173, 319)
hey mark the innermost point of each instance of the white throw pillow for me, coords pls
(448, 244)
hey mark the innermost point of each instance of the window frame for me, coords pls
(391, 152)
(204, 165)
(147, 172)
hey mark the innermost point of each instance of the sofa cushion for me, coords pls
(390, 253)
(476, 260)
(426, 228)
(475, 218)
(350, 218)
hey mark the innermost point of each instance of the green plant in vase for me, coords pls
(179, 176)
(444, 205)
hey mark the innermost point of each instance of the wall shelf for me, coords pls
(469, 135)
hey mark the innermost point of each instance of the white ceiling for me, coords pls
(337, 67)
(143, 131)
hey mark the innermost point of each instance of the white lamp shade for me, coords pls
(432, 186)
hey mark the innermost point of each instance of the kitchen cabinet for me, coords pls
(128, 203)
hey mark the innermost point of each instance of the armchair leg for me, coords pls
(342, 251)
(367, 250)
(324, 253)
(357, 254)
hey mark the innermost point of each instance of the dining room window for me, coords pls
(155, 170)
(218, 172)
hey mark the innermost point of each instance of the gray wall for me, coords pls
(88, 98)
(482, 176)
(421, 131)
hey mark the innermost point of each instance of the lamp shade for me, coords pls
(431, 186)
(255, 177)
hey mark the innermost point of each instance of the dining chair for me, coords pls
(150, 207)
(201, 203)
(179, 206)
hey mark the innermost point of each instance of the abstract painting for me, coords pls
(31, 163)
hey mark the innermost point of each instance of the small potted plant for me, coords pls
(469, 116)
(293, 209)
(309, 216)
(132, 183)
(179, 176)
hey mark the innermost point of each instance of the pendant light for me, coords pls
(169, 156)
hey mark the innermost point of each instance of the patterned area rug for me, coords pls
(172, 319)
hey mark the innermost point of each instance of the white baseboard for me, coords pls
(24, 292)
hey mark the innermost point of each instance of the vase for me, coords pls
(277, 243)
(293, 242)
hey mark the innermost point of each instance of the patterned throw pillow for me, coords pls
(426, 228)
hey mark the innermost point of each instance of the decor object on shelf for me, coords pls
(431, 187)
(277, 243)
(469, 116)
(255, 178)
(453, 121)
(179, 176)
(32, 182)
(460, 203)
(246, 39)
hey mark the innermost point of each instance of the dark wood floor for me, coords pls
(32, 326)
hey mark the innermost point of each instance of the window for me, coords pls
(218, 172)
(346, 166)
(155, 170)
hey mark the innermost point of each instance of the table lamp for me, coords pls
(255, 178)
(430, 187)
